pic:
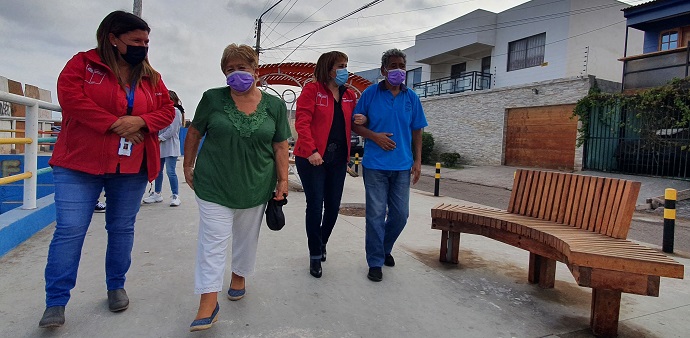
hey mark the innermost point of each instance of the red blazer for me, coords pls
(91, 101)
(314, 117)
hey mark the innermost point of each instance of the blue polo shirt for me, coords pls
(399, 115)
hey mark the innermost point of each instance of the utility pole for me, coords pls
(258, 29)
(137, 8)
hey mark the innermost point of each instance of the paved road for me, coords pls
(646, 226)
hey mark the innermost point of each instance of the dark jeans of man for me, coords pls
(323, 188)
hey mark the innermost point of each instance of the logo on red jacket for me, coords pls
(321, 99)
(97, 75)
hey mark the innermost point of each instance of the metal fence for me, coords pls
(468, 81)
(31, 140)
(624, 140)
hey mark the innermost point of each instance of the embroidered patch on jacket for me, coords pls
(97, 75)
(321, 99)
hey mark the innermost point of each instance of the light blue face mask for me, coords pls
(341, 76)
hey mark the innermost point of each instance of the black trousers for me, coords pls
(323, 188)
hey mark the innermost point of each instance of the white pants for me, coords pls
(216, 224)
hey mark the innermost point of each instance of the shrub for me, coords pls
(427, 147)
(449, 160)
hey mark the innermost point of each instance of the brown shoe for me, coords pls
(352, 172)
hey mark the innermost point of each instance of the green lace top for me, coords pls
(235, 167)
(245, 124)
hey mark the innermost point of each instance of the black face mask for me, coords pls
(135, 54)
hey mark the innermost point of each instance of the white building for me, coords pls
(500, 88)
(537, 41)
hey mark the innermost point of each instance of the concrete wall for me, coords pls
(473, 123)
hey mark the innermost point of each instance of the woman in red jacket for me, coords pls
(113, 105)
(323, 123)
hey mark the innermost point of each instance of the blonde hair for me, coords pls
(242, 52)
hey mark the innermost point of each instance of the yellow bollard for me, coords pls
(357, 163)
(670, 197)
(437, 178)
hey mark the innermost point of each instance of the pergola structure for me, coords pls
(301, 73)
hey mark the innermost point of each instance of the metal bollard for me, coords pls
(437, 178)
(357, 163)
(670, 197)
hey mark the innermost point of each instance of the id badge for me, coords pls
(125, 147)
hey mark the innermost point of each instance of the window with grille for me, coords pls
(668, 40)
(527, 52)
(413, 77)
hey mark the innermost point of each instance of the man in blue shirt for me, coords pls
(393, 154)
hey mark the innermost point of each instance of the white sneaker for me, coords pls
(100, 207)
(153, 198)
(175, 200)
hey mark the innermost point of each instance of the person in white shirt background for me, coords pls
(170, 150)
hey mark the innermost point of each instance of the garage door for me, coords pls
(541, 137)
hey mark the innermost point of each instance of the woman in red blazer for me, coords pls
(113, 105)
(322, 152)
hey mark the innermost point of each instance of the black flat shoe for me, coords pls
(53, 316)
(375, 274)
(323, 253)
(389, 261)
(118, 300)
(315, 267)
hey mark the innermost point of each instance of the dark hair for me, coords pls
(325, 64)
(118, 23)
(176, 103)
(385, 58)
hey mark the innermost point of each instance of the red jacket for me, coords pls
(91, 101)
(314, 117)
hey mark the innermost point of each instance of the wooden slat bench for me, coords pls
(582, 221)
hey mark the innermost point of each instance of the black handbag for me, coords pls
(275, 219)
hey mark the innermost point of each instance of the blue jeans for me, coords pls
(323, 189)
(385, 190)
(169, 163)
(75, 193)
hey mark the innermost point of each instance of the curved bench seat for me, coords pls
(572, 246)
(578, 220)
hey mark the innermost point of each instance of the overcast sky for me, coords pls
(37, 37)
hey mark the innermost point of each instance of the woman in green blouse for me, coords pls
(243, 159)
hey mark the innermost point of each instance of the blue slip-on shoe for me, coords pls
(235, 294)
(205, 323)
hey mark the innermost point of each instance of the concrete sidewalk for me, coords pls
(486, 295)
(502, 177)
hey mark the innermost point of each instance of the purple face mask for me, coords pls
(396, 76)
(240, 81)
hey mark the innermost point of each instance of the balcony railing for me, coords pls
(468, 81)
(655, 69)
